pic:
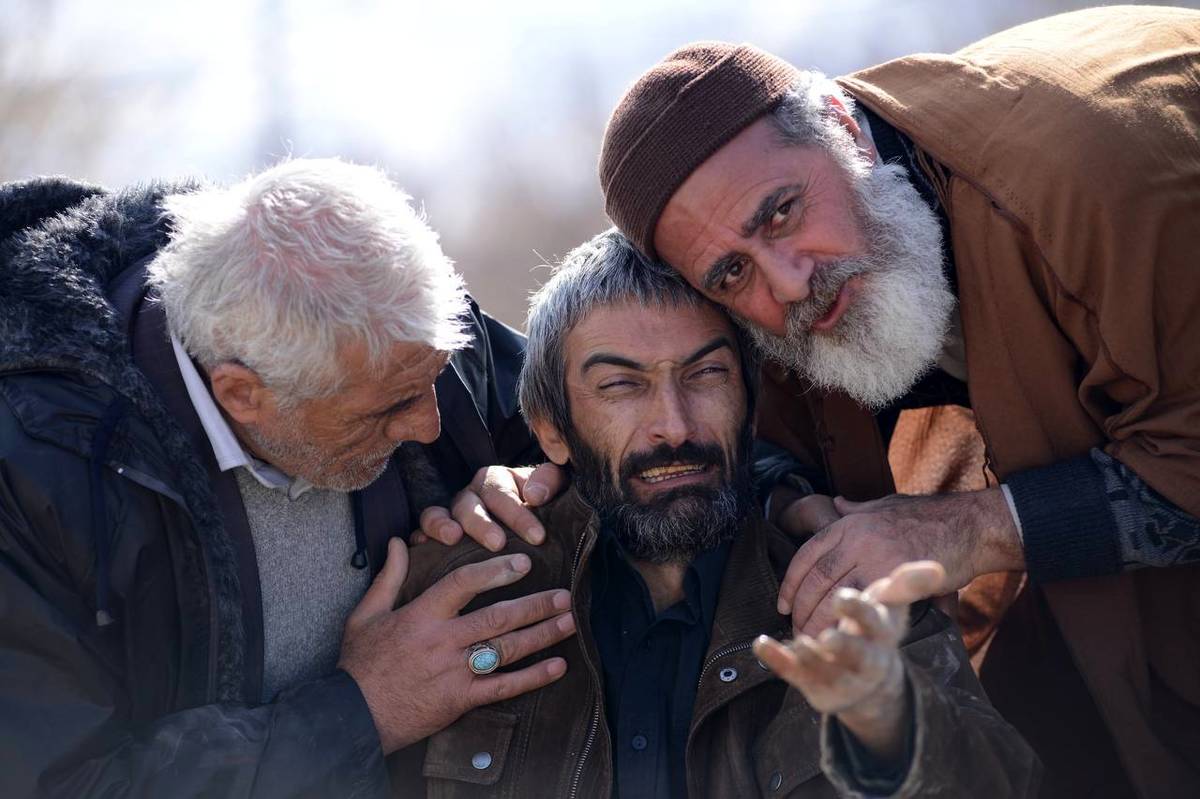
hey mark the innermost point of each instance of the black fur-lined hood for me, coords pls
(68, 376)
(61, 242)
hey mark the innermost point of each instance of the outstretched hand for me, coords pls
(854, 670)
(500, 493)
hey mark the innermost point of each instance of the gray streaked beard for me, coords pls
(680, 524)
(891, 334)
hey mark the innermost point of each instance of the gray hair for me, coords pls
(278, 271)
(803, 119)
(605, 270)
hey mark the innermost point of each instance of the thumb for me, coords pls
(910, 582)
(844, 506)
(381, 596)
(546, 482)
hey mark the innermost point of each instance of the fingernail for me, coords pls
(536, 493)
(535, 534)
(519, 563)
(566, 623)
(783, 608)
(557, 667)
(562, 600)
(495, 541)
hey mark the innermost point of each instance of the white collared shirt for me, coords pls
(228, 450)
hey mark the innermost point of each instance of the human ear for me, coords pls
(843, 116)
(552, 441)
(240, 392)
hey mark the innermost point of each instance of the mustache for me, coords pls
(823, 286)
(665, 454)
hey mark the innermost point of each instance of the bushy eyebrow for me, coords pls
(765, 210)
(627, 363)
(398, 406)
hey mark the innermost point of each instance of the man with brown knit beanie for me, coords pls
(1001, 240)
(990, 220)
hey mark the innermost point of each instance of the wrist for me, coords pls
(878, 721)
(1000, 546)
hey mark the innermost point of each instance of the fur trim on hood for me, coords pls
(61, 243)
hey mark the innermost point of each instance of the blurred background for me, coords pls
(490, 114)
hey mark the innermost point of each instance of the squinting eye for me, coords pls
(782, 213)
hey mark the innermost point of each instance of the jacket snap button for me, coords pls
(762, 665)
(728, 675)
(481, 760)
(776, 781)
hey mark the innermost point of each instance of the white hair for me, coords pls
(281, 270)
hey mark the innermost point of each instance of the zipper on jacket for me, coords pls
(594, 724)
(720, 653)
(587, 748)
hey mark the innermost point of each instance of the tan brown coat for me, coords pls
(1067, 155)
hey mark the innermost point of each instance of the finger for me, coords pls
(509, 615)
(452, 593)
(501, 497)
(822, 616)
(438, 525)
(778, 657)
(381, 596)
(469, 511)
(506, 685)
(831, 571)
(802, 564)
(846, 652)
(808, 515)
(813, 662)
(844, 506)
(546, 482)
(858, 615)
(908, 583)
(522, 643)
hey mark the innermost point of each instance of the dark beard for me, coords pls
(678, 525)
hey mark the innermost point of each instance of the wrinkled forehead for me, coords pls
(647, 334)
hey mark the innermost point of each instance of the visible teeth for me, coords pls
(660, 473)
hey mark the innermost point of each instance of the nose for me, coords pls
(788, 275)
(671, 422)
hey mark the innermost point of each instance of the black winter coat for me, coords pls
(130, 648)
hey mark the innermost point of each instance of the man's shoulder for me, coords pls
(565, 520)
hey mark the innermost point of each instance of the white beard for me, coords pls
(894, 329)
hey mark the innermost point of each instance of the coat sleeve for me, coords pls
(77, 720)
(959, 745)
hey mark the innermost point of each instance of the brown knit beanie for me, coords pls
(681, 111)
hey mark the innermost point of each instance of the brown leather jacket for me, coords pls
(751, 735)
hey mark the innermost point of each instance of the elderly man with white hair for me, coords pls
(221, 411)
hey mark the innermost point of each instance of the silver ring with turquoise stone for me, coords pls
(483, 658)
